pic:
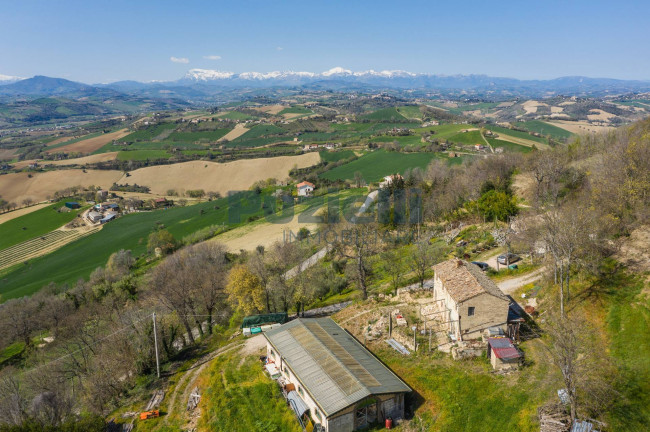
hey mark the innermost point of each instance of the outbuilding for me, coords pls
(340, 386)
(503, 354)
(72, 205)
(94, 216)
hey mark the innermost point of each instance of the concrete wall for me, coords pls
(444, 301)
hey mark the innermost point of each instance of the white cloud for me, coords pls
(179, 60)
(279, 48)
(212, 57)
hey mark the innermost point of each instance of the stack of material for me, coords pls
(195, 398)
(155, 400)
(553, 418)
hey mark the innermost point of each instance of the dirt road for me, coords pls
(509, 286)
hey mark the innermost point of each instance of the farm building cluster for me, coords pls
(102, 213)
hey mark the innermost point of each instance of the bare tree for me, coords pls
(358, 242)
(422, 257)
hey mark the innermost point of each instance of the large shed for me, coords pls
(343, 385)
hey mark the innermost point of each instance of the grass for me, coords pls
(469, 138)
(385, 115)
(11, 353)
(34, 224)
(545, 129)
(140, 155)
(517, 134)
(464, 395)
(261, 131)
(375, 165)
(444, 131)
(212, 135)
(238, 396)
(148, 133)
(296, 110)
(79, 258)
(410, 112)
(235, 115)
(403, 141)
(508, 146)
(335, 156)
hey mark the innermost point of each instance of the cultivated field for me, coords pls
(7, 154)
(101, 157)
(238, 131)
(217, 177)
(7, 216)
(579, 127)
(91, 144)
(18, 186)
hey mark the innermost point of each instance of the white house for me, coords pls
(305, 188)
(388, 180)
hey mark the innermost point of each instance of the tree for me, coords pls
(245, 290)
(119, 263)
(209, 266)
(499, 205)
(358, 179)
(162, 239)
(422, 257)
(393, 265)
(357, 242)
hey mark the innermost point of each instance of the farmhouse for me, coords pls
(305, 188)
(331, 379)
(468, 299)
(94, 216)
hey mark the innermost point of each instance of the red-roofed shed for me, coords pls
(503, 354)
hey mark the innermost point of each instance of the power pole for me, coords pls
(429, 340)
(155, 339)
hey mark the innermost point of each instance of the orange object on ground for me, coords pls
(389, 423)
(149, 414)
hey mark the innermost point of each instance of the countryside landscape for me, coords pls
(184, 248)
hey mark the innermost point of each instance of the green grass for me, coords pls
(516, 134)
(296, 110)
(140, 155)
(34, 224)
(238, 396)
(545, 129)
(508, 146)
(444, 131)
(373, 166)
(468, 138)
(235, 115)
(335, 156)
(212, 135)
(78, 259)
(403, 141)
(385, 115)
(11, 352)
(148, 133)
(259, 131)
(410, 112)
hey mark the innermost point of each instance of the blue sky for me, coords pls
(101, 41)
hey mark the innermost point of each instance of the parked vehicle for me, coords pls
(483, 266)
(509, 259)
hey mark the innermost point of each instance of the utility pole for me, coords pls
(155, 339)
(429, 340)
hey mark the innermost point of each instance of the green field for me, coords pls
(380, 163)
(296, 110)
(403, 141)
(259, 131)
(335, 156)
(508, 146)
(212, 135)
(516, 134)
(385, 115)
(235, 115)
(34, 224)
(140, 155)
(444, 131)
(148, 133)
(469, 138)
(545, 129)
(410, 112)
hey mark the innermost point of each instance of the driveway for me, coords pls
(509, 286)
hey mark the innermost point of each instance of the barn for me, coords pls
(336, 384)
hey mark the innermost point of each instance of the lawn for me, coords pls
(375, 165)
(34, 224)
(545, 129)
(238, 396)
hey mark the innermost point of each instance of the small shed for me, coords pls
(503, 354)
(72, 205)
(94, 216)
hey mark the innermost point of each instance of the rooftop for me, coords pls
(303, 184)
(503, 348)
(333, 367)
(463, 280)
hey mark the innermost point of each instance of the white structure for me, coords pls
(388, 180)
(305, 188)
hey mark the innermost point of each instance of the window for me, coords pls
(470, 311)
(317, 414)
(272, 354)
(300, 391)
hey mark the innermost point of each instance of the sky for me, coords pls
(96, 41)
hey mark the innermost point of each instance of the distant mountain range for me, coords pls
(204, 84)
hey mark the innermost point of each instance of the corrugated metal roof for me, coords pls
(333, 367)
(584, 426)
(296, 403)
(503, 348)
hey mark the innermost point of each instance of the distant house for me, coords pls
(102, 195)
(388, 180)
(503, 354)
(479, 147)
(162, 202)
(332, 381)
(109, 217)
(72, 205)
(469, 301)
(305, 188)
(94, 216)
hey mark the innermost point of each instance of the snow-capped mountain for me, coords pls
(6, 79)
(205, 75)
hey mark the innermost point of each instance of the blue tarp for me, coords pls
(296, 403)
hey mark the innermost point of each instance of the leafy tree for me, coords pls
(162, 239)
(245, 290)
(497, 205)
